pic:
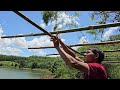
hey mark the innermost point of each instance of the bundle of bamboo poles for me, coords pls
(91, 27)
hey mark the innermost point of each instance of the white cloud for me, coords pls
(39, 42)
(5, 42)
(75, 48)
(42, 24)
(20, 42)
(5, 46)
(67, 19)
(83, 40)
(10, 51)
(108, 33)
(1, 30)
(63, 20)
(37, 52)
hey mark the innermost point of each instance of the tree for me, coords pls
(34, 65)
(114, 37)
(60, 19)
(22, 64)
(103, 17)
(106, 16)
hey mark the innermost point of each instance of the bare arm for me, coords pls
(66, 49)
(69, 60)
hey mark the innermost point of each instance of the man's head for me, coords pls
(94, 55)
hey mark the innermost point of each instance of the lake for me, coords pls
(8, 73)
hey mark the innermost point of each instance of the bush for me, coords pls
(1, 64)
(11, 64)
(34, 65)
(16, 65)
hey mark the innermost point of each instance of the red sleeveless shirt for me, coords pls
(96, 71)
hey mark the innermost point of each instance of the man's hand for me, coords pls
(56, 41)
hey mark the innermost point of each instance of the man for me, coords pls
(91, 66)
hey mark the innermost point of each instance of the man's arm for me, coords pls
(69, 60)
(66, 49)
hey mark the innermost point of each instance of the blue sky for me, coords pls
(12, 24)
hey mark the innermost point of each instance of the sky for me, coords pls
(12, 24)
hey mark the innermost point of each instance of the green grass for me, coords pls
(113, 70)
(7, 63)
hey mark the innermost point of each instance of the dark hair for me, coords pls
(101, 54)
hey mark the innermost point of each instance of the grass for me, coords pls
(7, 64)
(113, 70)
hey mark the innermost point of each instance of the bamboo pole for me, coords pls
(74, 45)
(51, 54)
(83, 56)
(112, 50)
(66, 31)
(103, 62)
(31, 22)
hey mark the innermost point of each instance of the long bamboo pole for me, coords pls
(83, 57)
(64, 31)
(118, 50)
(31, 22)
(112, 50)
(110, 62)
(34, 24)
(74, 45)
(103, 51)
(102, 61)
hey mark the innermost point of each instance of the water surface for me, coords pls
(8, 73)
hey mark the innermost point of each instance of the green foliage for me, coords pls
(94, 33)
(1, 64)
(114, 37)
(113, 70)
(49, 16)
(16, 65)
(12, 64)
(92, 17)
(61, 71)
(7, 63)
(103, 17)
(22, 64)
(55, 65)
(106, 16)
(34, 65)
